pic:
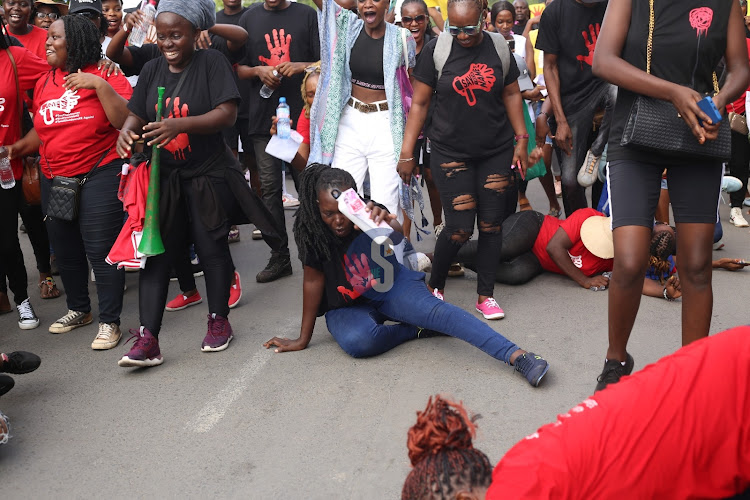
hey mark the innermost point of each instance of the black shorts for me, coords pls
(634, 188)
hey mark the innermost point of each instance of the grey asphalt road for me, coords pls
(248, 423)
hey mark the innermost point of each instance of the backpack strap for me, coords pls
(445, 43)
(442, 51)
(502, 49)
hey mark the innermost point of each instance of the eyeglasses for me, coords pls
(88, 14)
(408, 20)
(467, 30)
(53, 16)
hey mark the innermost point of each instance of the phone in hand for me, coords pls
(707, 106)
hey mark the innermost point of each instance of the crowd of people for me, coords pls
(467, 99)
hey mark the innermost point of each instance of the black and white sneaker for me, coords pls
(613, 371)
(27, 320)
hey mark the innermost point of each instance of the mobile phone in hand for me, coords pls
(707, 106)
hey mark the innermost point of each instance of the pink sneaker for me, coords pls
(490, 309)
(235, 291)
(437, 294)
(183, 301)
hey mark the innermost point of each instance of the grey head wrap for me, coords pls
(201, 13)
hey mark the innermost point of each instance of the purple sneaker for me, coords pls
(219, 334)
(145, 351)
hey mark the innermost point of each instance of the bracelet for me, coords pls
(545, 114)
(404, 160)
(666, 296)
(519, 137)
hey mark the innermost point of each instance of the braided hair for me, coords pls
(442, 454)
(82, 38)
(312, 235)
(663, 244)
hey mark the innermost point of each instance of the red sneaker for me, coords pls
(235, 291)
(183, 301)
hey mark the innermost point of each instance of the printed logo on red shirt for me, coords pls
(279, 50)
(64, 104)
(180, 144)
(589, 39)
(479, 77)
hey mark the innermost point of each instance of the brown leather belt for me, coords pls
(367, 108)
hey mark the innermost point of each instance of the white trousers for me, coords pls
(364, 144)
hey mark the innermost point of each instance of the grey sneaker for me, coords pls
(71, 321)
(588, 174)
(27, 320)
(108, 337)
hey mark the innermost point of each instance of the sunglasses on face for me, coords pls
(88, 14)
(418, 19)
(53, 16)
(468, 30)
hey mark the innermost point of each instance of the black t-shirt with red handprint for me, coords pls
(209, 82)
(276, 36)
(469, 118)
(570, 30)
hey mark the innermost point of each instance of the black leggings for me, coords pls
(10, 248)
(212, 249)
(518, 264)
(481, 190)
(739, 166)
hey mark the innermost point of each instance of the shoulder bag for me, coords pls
(64, 194)
(32, 192)
(655, 126)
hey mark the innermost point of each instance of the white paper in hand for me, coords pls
(284, 149)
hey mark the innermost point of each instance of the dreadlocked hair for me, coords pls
(313, 69)
(311, 234)
(442, 454)
(481, 5)
(83, 45)
(663, 244)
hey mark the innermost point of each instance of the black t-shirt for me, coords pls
(300, 26)
(208, 84)
(242, 85)
(690, 38)
(339, 291)
(566, 30)
(469, 118)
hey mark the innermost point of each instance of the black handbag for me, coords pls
(65, 192)
(655, 126)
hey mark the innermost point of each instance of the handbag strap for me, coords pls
(177, 89)
(18, 87)
(650, 45)
(101, 158)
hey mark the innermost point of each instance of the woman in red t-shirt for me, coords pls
(77, 114)
(18, 14)
(28, 68)
(681, 432)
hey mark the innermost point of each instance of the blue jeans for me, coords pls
(360, 331)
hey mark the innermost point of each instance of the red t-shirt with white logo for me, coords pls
(35, 40)
(587, 262)
(73, 126)
(677, 429)
(30, 69)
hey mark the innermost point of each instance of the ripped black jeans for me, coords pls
(481, 191)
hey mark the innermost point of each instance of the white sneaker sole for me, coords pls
(736, 223)
(237, 302)
(66, 329)
(28, 326)
(173, 309)
(127, 362)
(103, 346)
(217, 349)
(499, 315)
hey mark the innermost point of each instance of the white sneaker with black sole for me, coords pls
(27, 320)
(736, 218)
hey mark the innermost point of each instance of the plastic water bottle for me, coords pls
(283, 126)
(138, 35)
(7, 181)
(265, 90)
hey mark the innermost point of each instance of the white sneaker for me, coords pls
(736, 218)
(746, 202)
(289, 201)
(730, 184)
(108, 337)
(424, 264)
(27, 320)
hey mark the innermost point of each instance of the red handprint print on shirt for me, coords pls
(279, 51)
(590, 44)
(181, 143)
(479, 77)
(359, 276)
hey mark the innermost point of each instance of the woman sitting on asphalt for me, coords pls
(349, 280)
